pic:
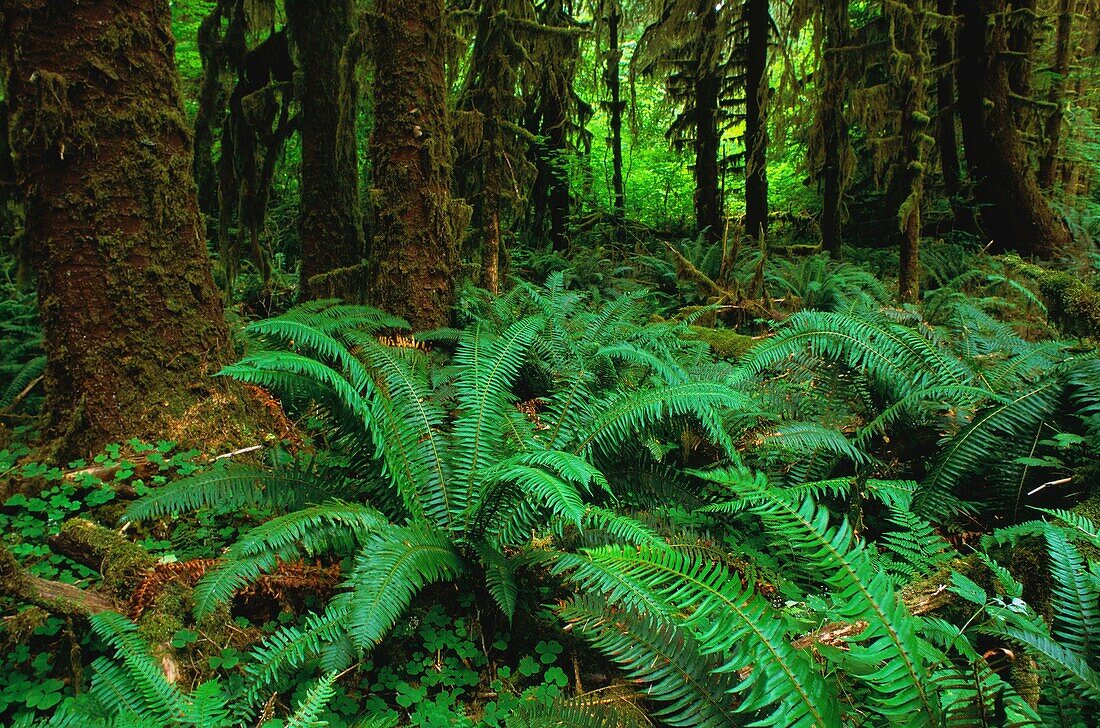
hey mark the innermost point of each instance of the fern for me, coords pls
(860, 593)
(664, 657)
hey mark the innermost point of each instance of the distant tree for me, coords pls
(132, 320)
(829, 140)
(713, 60)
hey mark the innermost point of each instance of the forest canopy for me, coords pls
(592, 363)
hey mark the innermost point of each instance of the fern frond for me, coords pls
(1076, 600)
(289, 647)
(623, 415)
(392, 566)
(727, 618)
(138, 685)
(992, 434)
(666, 658)
(860, 593)
(332, 527)
(236, 486)
(316, 699)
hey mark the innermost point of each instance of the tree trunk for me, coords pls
(708, 87)
(331, 222)
(1048, 165)
(756, 125)
(615, 121)
(947, 140)
(413, 260)
(131, 317)
(1014, 212)
(211, 108)
(908, 26)
(836, 148)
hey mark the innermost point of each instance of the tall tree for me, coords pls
(829, 141)
(908, 61)
(132, 319)
(758, 31)
(1048, 164)
(1014, 212)
(947, 140)
(615, 105)
(413, 259)
(327, 50)
(689, 45)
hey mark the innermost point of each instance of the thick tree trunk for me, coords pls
(708, 87)
(413, 260)
(1048, 165)
(132, 320)
(331, 221)
(756, 126)
(1014, 212)
(615, 121)
(836, 148)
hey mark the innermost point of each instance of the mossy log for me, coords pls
(122, 563)
(63, 600)
(1071, 302)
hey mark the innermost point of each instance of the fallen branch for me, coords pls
(63, 600)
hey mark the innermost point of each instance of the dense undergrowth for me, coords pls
(804, 505)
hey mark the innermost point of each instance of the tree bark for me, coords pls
(1048, 165)
(615, 119)
(836, 148)
(132, 320)
(947, 140)
(211, 108)
(756, 109)
(708, 87)
(326, 49)
(413, 260)
(908, 28)
(1014, 212)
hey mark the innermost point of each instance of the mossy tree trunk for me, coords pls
(324, 43)
(133, 323)
(947, 140)
(1014, 212)
(1048, 164)
(413, 260)
(708, 89)
(908, 62)
(756, 109)
(211, 107)
(835, 146)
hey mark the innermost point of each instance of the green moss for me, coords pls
(725, 343)
(1071, 302)
(123, 562)
(159, 624)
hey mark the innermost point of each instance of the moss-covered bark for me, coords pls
(908, 62)
(707, 91)
(413, 259)
(133, 322)
(1014, 212)
(331, 223)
